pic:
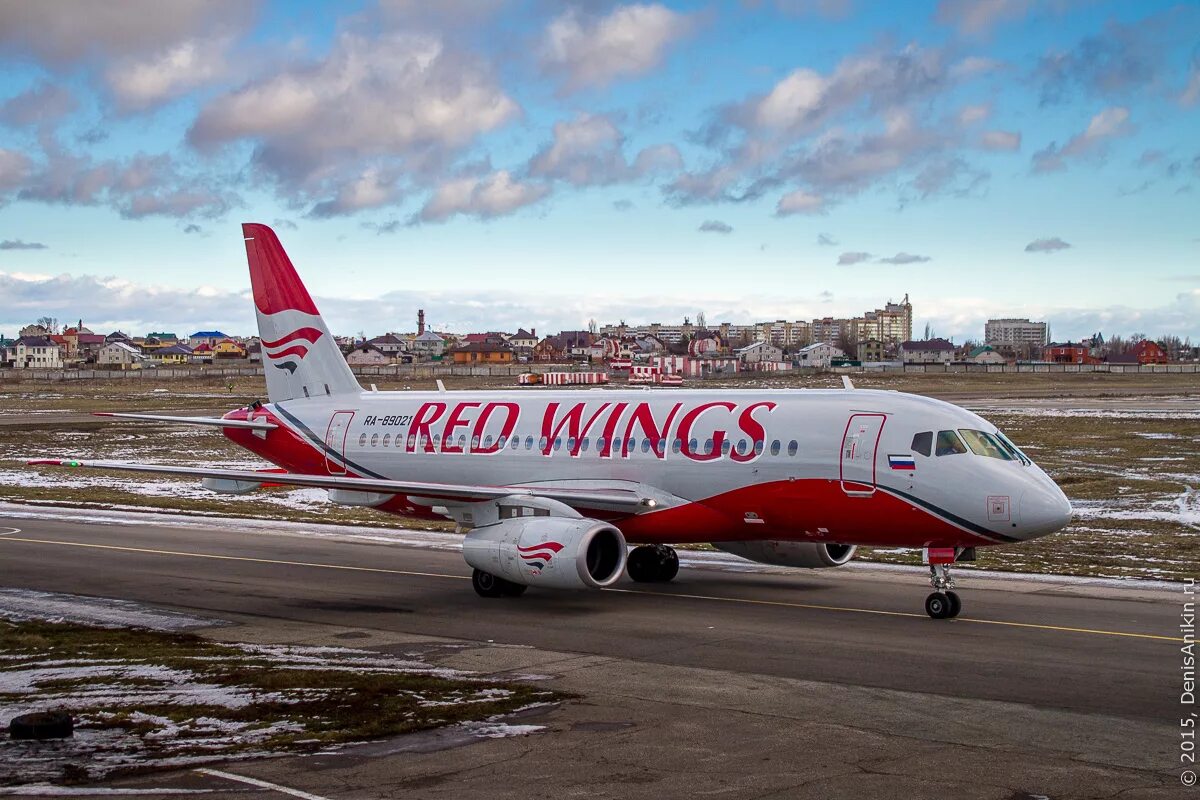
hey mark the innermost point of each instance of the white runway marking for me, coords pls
(260, 784)
(9, 531)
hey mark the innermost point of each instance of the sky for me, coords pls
(542, 164)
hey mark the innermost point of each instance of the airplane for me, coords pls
(553, 487)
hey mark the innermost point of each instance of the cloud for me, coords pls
(61, 34)
(371, 189)
(285, 223)
(969, 115)
(974, 17)
(846, 259)
(137, 187)
(14, 168)
(192, 228)
(1050, 245)
(947, 176)
(799, 202)
(1118, 62)
(622, 205)
(392, 102)
(826, 240)
(715, 226)
(1001, 141)
(1191, 92)
(588, 151)
(42, 105)
(631, 40)
(141, 83)
(829, 9)
(483, 197)
(905, 258)
(19, 244)
(1109, 123)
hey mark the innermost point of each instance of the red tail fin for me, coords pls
(277, 287)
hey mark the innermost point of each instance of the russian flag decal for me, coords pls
(905, 462)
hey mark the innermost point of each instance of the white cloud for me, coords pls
(969, 115)
(715, 226)
(14, 167)
(594, 51)
(1109, 123)
(1050, 245)
(389, 101)
(847, 259)
(588, 151)
(484, 197)
(140, 83)
(1006, 141)
(799, 202)
(980, 16)
(42, 105)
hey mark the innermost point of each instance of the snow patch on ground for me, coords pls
(28, 604)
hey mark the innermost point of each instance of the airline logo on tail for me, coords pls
(289, 350)
(538, 556)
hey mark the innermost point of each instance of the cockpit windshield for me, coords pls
(1013, 449)
(985, 444)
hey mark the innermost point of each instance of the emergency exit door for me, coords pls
(860, 444)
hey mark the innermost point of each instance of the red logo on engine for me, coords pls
(539, 555)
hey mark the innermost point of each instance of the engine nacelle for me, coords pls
(809, 555)
(557, 552)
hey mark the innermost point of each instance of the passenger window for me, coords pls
(584, 445)
(516, 442)
(474, 442)
(948, 444)
(528, 442)
(985, 444)
(676, 446)
(692, 445)
(793, 446)
(725, 447)
(387, 439)
(758, 448)
(571, 443)
(708, 446)
(487, 442)
(557, 442)
(645, 445)
(374, 439)
(362, 440)
(741, 447)
(775, 447)
(923, 443)
(542, 442)
(661, 447)
(600, 444)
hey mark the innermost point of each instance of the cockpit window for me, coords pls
(984, 444)
(1013, 449)
(948, 444)
(923, 443)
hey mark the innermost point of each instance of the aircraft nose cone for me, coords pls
(1044, 510)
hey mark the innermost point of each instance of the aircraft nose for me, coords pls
(1044, 510)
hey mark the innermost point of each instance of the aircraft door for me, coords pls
(860, 444)
(335, 442)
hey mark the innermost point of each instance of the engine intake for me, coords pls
(808, 555)
(554, 552)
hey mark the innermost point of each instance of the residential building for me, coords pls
(758, 353)
(871, 350)
(162, 339)
(121, 355)
(1143, 352)
(36, 352)
(1016, 332)
(173, 355)
(818, 355)
(202, 354)
(486, 352)
(523, 341)
(931, 351)
(389, 344)
(892, 323)
(367, 355)
(829, 330)
(429, 345)
(1070, 353)
(210, 338)
(33, 330)
(228, 349)
(986, 354)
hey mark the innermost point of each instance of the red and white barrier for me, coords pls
(574, 378)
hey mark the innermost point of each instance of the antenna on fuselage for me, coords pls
(847, 383)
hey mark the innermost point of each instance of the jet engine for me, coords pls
(809, 555)
(557, 552)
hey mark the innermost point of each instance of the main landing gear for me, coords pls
(944, 603)
(652, 563)
(488, 585)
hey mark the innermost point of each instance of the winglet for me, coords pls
(847, 383)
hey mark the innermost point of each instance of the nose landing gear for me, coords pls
(944, 603)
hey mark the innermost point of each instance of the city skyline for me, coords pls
(508, 165)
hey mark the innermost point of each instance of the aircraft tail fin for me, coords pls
(300, 357)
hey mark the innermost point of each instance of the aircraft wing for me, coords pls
(627, 500)
(214, 421)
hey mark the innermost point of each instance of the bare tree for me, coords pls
(593, 328)
(49, 323)
(701, 322)
(847, 344)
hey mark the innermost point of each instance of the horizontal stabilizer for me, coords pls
(213, 421)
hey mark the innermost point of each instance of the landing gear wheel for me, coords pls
(955, 604)
(655, 563)
(487, 585)
(937, 605)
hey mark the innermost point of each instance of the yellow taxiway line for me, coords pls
(713, 598)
